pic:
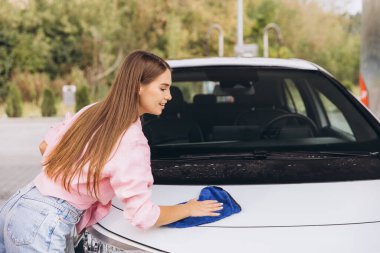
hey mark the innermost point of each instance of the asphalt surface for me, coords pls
(20, 159)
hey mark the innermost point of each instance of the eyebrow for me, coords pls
(166, 84)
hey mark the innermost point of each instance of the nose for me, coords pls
(168, 95)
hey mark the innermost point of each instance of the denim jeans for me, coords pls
(32, 222)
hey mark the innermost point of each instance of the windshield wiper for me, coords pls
(263, 155)
(344, 154)
(213, 157)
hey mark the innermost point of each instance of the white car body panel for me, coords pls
(313, 217)
(235, 61)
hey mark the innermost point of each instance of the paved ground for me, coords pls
(19, 154)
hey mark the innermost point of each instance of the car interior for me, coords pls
(254, 105)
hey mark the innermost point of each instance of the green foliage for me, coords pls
(82, 97)
(56, 37)
(13, 102)
(31, 85)
(309, 32)
(48, 107)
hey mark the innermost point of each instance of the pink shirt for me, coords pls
(127, 175)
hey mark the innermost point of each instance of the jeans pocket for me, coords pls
(70, 218)
(25, 222)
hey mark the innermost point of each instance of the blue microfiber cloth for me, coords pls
(230, 206)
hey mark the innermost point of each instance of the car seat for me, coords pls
(204, 110)
(266, 105)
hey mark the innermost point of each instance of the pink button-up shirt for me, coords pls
(127, 175)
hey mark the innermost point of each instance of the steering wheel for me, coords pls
(267, 133)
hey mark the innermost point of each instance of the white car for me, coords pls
(291, 145)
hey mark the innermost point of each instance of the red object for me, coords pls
(364, 96)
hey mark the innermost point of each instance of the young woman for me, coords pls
(99, 153)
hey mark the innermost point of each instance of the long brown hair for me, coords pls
(94, 134)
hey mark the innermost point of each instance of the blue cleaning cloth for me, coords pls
(230, 206)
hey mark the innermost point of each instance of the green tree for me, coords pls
(13, 102)
(55, 37)
(48, 107)
(82, 97)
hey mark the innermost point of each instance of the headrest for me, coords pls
(266, 95)
(244, 100)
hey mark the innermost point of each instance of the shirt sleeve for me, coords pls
(132, 180)
(55, 129)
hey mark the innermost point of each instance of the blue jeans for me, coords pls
(32, 222)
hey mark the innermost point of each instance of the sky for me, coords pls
(349, 6)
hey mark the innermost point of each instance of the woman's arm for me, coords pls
(131, 180)
(43, 146)
(193, 208)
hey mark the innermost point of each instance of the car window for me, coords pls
(243, 106)
(293, 98)
(190, 89)
(334, 115)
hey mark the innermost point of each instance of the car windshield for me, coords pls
(251, 108)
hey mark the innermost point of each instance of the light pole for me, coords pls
(239, 34)
(241, 49)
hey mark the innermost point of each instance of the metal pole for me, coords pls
(241, 49)
(277, 29)
(220, 37)
(239, 23)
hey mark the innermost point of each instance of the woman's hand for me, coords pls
(193, 207)
(203, 208)
(43, 146)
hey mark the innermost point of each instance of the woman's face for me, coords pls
(155, 95)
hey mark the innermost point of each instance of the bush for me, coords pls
(82, 97)
(3, 91)
(31, 85)
(13, 102)
(48, 107)
(56, 86)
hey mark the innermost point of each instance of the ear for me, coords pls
(141, 89)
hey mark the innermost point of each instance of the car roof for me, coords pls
(238, 61)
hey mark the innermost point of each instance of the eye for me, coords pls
(163, 89)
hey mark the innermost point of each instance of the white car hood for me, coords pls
(341, 217)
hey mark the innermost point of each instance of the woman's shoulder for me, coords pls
(85, 108)
(134, 133)
(69, 117)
